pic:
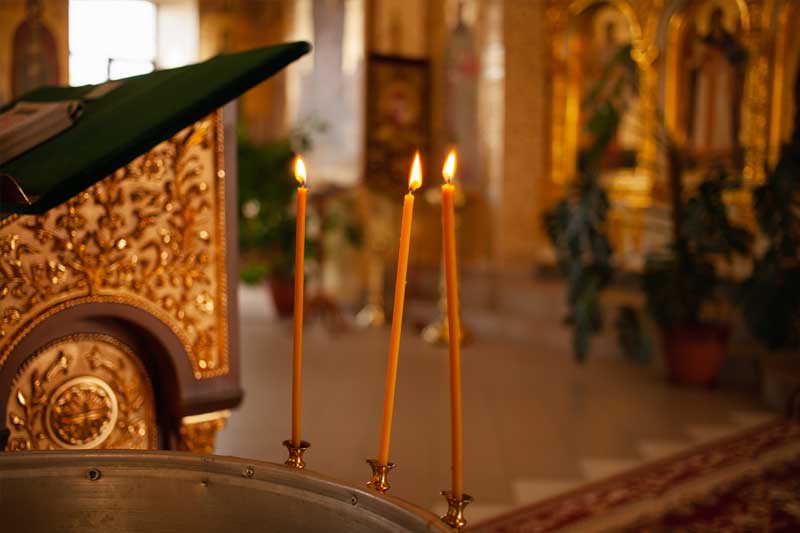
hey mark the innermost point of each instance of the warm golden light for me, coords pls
(449, 169)
(415, 179)
(300, 171)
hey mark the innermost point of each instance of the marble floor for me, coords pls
(535, 422)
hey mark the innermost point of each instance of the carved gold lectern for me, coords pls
(117, 279)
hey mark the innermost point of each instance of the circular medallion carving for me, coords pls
(82, 412)
(82, 391)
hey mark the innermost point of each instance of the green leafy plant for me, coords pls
(677, 281)
(266, 219)
(576, 227)
(771, 294)
(576, 224)
(681, 279)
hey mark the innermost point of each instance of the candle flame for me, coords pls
(300, 171)
(415, 178)
(449, 169)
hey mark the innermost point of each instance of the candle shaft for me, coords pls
(454, 333)
(297, 350)
(397, 325)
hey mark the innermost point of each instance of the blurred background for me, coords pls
(627, 219)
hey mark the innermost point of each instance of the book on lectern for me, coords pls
(118, 121)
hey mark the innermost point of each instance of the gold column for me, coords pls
(525, 185)
(755, 101)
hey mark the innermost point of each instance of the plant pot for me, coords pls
(694, 353)
(282, 291)
(780, 379)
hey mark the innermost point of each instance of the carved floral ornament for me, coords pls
(151, 235)
(79, 392)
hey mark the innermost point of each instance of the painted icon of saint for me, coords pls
(717, 76)
(34, 52)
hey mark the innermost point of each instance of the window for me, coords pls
(110, 39)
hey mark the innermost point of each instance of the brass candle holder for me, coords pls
(295, 459)
(380, 476)
(455, 509)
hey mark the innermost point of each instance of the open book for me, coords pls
(29, 124)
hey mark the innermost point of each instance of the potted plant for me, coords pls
(771, 294)
(266, 219)
(576, 228)
(681, 281)
(678, 282)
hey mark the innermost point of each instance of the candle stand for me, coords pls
(295, 459)
(455, 509)
(380, 476)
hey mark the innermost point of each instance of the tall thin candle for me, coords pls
(299, 261)
(414, 182)
(453, 320)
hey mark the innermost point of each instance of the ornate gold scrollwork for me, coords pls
(198, 433)
(151, 235)
(657, 34)
(81, 391)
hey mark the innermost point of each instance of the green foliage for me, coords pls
(675, 291)
(677, 281)
(707, 227)
(253, 273)
(771, 295)
(680, 280)
(576, 224)
(266, 191)
(576, 227)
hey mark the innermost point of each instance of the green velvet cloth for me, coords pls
(133, 118)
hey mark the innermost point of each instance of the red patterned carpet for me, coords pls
(747, 482)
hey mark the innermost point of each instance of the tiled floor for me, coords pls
(535, 423)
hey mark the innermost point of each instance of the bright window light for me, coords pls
(110, 39)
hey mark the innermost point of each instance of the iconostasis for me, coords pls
(718, 76)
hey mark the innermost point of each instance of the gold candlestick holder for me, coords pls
(295, 459)
(380, 476)
(455, 509)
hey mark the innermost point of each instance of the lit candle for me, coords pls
(453, 322)
(414, 181)
(299, 256)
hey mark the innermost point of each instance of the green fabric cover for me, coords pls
(133, 118)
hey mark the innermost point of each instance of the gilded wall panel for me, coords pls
(669, 41)
(151, 235)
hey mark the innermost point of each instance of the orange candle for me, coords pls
(299, 256)
(414, 182)
(453, 321)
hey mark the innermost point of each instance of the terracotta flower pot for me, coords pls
(282, 291)
(694, 353)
